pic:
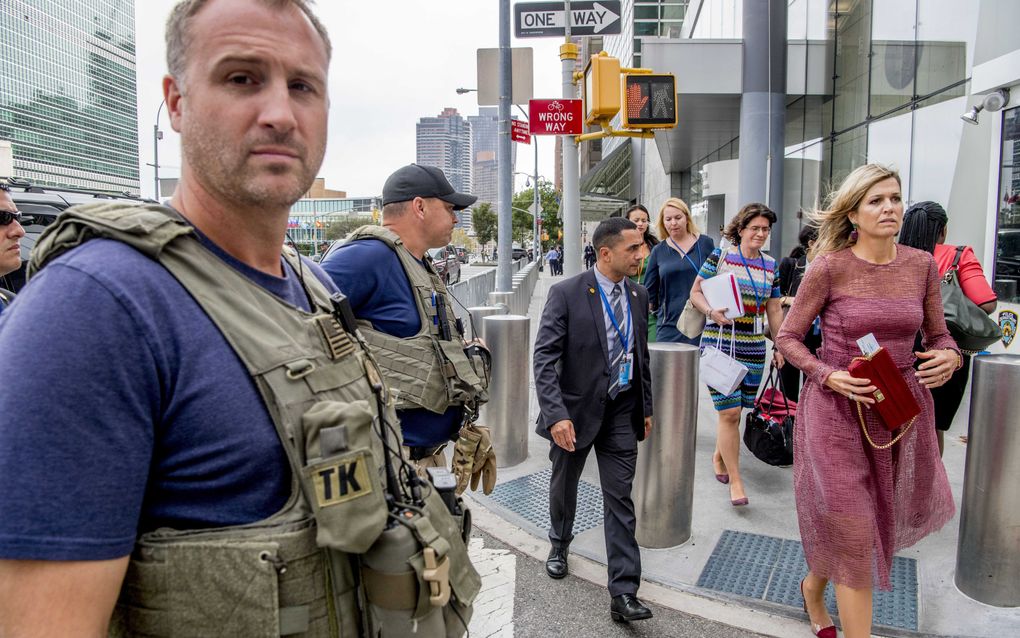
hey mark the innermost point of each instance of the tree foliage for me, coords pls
(483, 218)
(550, 201)
(340, 229)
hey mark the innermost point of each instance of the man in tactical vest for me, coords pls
(11, 233)
(394, 288)
(200, 442)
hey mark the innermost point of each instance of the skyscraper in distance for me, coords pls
(444, 141)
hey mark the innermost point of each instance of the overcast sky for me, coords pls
(394, 61)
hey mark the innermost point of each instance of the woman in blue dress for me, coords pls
(760, 291)
(672, 267)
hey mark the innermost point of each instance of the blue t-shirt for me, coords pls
(125, 410)
(370, 274)
(669, 277)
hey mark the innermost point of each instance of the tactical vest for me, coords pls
(426, 370)
(299, 572)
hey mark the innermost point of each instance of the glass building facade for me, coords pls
(68, 98)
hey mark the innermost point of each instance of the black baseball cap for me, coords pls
(415, 180)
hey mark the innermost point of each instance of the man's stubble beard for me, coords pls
(226, 173)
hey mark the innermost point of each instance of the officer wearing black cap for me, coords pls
(386, 273)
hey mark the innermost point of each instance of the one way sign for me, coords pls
(546, 19)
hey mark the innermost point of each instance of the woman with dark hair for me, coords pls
(672, 267)
(791, 271)
(759, 287)
(924, 228)
(862, 495)
(639, 215)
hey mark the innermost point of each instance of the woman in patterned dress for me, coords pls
(672, 268)
(759, 287)
(639, 215)
(861, 496)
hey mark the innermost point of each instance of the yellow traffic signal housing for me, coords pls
(601, 88)
(649, 101)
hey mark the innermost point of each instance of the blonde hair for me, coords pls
(834, 225)
(679, 204)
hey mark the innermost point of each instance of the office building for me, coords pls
(863, 81)
(68, 92)
(444, 141)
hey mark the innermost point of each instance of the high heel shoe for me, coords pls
(818, 630)
(723, 478)
(737, 502)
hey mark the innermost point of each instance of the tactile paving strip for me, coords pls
(770, 568)
(528, 496)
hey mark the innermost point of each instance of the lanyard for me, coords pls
(681, 251)
(754, 286)
(612, 315)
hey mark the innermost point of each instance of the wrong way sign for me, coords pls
(555, 117)
(547, 19)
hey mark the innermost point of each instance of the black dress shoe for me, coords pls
(627, 607)
(556, 564)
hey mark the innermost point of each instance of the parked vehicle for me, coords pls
(446, 262)
(462, 254)
(41, 206)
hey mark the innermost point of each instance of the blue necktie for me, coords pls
(616, 352)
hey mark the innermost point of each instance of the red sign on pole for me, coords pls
(555, 117)
(519, 132)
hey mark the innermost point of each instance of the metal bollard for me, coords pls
(506, 413)
(664, 479)
(501, 299)
(478, 313)
(987, 554)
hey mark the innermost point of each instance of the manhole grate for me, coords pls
(528, 496)
(769, 568)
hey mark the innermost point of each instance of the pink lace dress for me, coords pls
(857, 506)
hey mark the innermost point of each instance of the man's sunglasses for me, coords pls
(6, 217)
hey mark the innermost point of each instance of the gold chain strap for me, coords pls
(860, 417)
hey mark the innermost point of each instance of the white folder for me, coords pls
(723, 291)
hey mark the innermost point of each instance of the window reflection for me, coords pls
(1007, 249)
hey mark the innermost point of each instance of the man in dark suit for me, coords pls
(592, 380)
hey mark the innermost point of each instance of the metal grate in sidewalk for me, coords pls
(770, 568)
(528, 496)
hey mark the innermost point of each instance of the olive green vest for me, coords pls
(425, 371)
(299, 571)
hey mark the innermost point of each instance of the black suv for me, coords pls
(41, 205)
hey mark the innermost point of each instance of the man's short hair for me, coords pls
(610, 231)
(395, 209)
(177, 40)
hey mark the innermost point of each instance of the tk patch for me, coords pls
(341, 480)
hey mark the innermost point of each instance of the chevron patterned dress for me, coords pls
(749, 348)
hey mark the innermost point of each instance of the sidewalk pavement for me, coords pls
(742, 565)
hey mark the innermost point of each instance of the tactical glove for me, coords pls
(484, 470)
(474, 460)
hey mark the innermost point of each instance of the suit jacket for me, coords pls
(572, 358)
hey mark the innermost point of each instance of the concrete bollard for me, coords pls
(664, 480)
(478, 314)
(988, 547)
(506, 413)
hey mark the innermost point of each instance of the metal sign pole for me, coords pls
(571, 190)
(504, 191)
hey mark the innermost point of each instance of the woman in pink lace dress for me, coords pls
(857, 505)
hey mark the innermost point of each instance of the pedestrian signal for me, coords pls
(649, 101)
(601, 88)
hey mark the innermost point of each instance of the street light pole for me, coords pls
(156, 137)
(571, 202)
(536, 224)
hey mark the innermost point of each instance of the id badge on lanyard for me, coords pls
(626, 369)
(759, 324)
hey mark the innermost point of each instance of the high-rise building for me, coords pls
(68, 92)
(444, 141)
(484, 138)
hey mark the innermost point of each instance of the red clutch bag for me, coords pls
(894, 402)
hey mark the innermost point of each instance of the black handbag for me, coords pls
(971, 327)
(768, 428)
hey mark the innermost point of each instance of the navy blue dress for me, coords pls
(669, 279)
